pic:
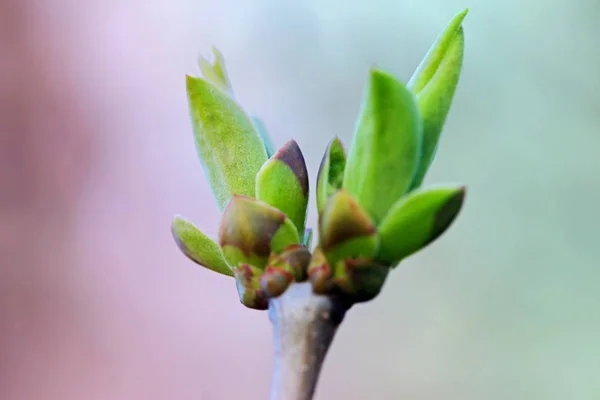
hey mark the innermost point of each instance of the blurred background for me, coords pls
(96, 155)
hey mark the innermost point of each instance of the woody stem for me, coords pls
(304, 325)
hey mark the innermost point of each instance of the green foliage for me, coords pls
(434, 83)
(230, 149)
(372, 212)
(331, 172)
(417, 220)
(285, 268)
(216, 72)
(282, 182)
(346, 230)
(198, 247)
(251, 230)
(386, 148)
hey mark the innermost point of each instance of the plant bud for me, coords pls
(360, 279)
(282, 182)
(248, 286)
(251, 230)
(346, 230)
(434, 83)
(230, 149)
(319, 272)
(285, 268)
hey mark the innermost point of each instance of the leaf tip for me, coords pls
(448, 212)
(459, 17)
(292, 156)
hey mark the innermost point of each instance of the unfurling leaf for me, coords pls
(230, 149)
(251, 230)
(285, 268)
(264, 134)
(282, 182)
(198, 247)
(386, 147)
(331, 172)
(434, 83)
(346, 230)
(216, 72)
(417, 220)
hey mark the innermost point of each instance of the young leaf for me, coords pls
(251, 230)
(417, 220)
(230, 149)
(282, 182)
(216, 72)
(331, 172)
(434, 83)
(346, 230)
(264, 134)
(385, 150)
(198, 247)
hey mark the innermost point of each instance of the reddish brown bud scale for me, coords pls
(274, 281)
(291, 155)
(343, 219)
(319, 272)
(296, 259)
(249, 225)
(248, 287)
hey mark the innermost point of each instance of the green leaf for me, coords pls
(282, 182)
(230, 149)
(346, 230)
(198, 247)
(264, 134)
(294, 259)
(251, 230)
(385, 150)
(331, 172)
(216, 72)
(417, 220)
(434, 83)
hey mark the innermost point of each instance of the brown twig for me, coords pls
(304, 325)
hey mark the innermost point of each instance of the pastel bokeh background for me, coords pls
(96, 155)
